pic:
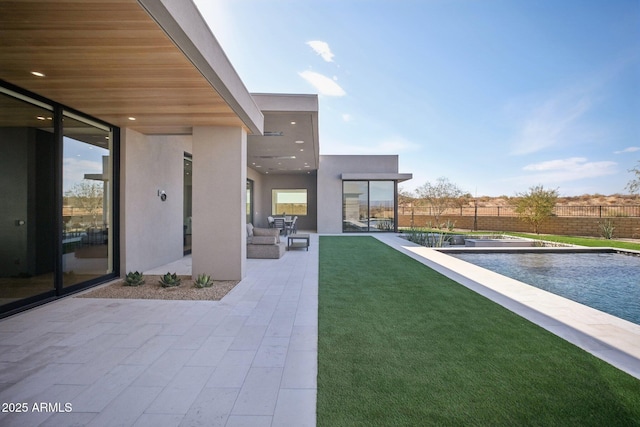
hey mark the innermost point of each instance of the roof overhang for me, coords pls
(400, 177)
(289, 144)
(153, 60)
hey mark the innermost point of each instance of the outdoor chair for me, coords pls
(292, 228)
(280, 225)
(270, 221)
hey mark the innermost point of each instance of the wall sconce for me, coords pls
(162, 195)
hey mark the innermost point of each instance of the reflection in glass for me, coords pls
(355, 206)
(187, 203)
(381, 206)
(249, 201)
(368, 206)
(86, 204)
(27, 226)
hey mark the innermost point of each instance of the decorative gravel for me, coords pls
(153, 290)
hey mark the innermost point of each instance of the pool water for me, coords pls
(608, 282)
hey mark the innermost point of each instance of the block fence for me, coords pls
(569, 226)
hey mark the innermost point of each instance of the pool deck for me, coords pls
(610, 338)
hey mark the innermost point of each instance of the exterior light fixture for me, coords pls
(37, 73)
(132, 118)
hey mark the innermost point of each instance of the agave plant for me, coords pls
(203, 281)
(170, 280)
(134, 278)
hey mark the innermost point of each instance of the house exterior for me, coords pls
(127, 139)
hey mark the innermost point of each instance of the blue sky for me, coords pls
(495, 95)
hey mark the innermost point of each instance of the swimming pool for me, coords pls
(606, 281)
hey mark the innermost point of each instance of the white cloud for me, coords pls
(75, 170)
(571, 169)
(323, 84)
(554, 122)
(322, 49)
(627, 150)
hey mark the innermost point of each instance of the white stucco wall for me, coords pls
(151, 230)
(219, 202)
(330, 184)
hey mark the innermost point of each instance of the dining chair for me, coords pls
(280, 224)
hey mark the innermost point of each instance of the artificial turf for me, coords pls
(400, 344)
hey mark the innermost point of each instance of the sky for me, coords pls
(497, 96)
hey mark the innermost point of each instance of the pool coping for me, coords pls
(614, 340)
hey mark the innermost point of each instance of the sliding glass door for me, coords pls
(27, 211)
(368, 206)
(57, 213)
(86, 202)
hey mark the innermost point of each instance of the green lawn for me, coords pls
(400, 344)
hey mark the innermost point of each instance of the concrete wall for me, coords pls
(151, 230)
(625, 227)
(289, 181)
(330, 184)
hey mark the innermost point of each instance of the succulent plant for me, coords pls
(134, 278)
(170, 280)
(203, 281)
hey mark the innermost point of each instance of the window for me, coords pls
(289, 201)
(368, 206)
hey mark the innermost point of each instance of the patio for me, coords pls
(249, 359)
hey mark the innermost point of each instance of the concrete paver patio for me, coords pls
(249, 359)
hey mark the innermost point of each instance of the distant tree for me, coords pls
(634, 185)
(87, 196)
(535, 205)
(440, 196)
(406, 201)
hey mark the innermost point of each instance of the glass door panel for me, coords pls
(249, 201)
(187, 203)
(355, 206)
(382, 206)
(87, 200)
(27, 226)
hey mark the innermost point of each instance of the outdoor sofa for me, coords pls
(264, 243)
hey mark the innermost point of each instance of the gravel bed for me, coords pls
(152, 289)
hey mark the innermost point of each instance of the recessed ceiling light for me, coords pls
(41, 118)
(37, 73)
(293, 123)
(132, 118)
(299, 142)
(302, 149)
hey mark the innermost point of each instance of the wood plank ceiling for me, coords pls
(108, 59)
